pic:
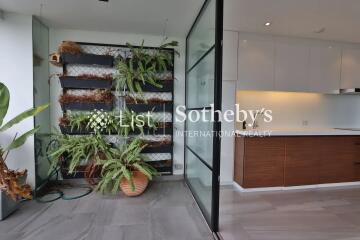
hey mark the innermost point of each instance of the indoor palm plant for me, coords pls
(126, 168)
(12, 183)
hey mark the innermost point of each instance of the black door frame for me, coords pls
(219, 9)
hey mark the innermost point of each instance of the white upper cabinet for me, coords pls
(292, 65)
(230, 58)
(350, 68)
(325, 68)
(256, 62)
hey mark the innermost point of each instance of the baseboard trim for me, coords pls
(316, 186)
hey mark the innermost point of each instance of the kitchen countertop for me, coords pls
(296, 132)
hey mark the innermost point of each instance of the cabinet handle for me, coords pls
(357, 144)
(357, 163)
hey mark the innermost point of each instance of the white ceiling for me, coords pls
(340, 18)
(134, 16)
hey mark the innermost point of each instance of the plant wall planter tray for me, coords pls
(166, 148)
(158, 131)
(168, 86)
(87, 59)
(67, 130)
(75, 83)
(87, 106)
(164, 167)
(141, 108)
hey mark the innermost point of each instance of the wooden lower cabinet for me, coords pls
(294, 161)
(301, 161)
(262, 160)
(340, 159)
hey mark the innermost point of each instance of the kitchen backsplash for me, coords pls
(303, 110)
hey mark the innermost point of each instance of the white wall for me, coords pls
(227, 142)
(59, 35)
(291, 109)
(16, 68)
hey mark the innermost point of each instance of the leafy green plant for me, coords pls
(123, 123)
(77, 150)
(9, 179)
(123, 162)
(130, 121)
(142, 67)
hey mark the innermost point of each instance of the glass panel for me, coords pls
(41, 96)
(202, 37)
(200, 180)
(200, 85)
(199, 137)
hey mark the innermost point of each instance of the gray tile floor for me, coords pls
(165, 212)
(322, 214)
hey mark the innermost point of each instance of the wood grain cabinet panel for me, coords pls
(264, 162)
(302, 161)
(340, 159)
(239, 160)
(296, 161)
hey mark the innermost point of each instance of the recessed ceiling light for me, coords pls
(267, 24)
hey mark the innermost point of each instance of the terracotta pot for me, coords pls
(140, 183)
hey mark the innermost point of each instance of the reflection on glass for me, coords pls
(202, 37)
(199, 137)
(41, 96)
(200, 179)
(200, 85)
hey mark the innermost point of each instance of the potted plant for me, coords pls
(95, 99)
(72, 53)
(142, 67)
(12, 183)
(126, 169)
(73, 152)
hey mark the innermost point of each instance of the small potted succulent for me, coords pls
(126, 169)
(12, 183)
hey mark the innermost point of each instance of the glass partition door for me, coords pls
(203, 94)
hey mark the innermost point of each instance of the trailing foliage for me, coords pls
(9, 179)
(123, 162)
(77, 150)
(142, 67)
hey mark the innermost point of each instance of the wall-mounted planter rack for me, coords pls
(75, 131)
(168, 130)
(168, 86)
(166, 148)
(143, 107)
(87, 106)
(82, 64)
(71, 82)
(164, 166)
(83, 131)
(87, 59)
